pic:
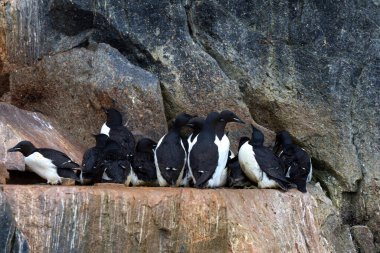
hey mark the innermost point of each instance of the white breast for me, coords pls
(219, 177)
(249, 164)
(191, 145)
(105, 130)
(266, 182)
(251, 168)
(105, 176)
(134, 179)
(43, 167)
(160, 179)
(310, 173)
(180, 177)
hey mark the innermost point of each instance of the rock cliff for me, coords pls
(111, 218)
(309, 67)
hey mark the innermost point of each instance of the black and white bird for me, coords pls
(115, 163)
(196, 124)
(170, 154)
(236, 177)
(143, 170)
(297, 161)
(115, 129)
(260, 164)
(49, 164)
(204, 158)
(219, 178)
(92, 162)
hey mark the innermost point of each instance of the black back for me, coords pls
(59, 159)
(115, 162)
(282, 138)
(296, 160)
(113, 151)
(114, 118)
(143, 161)
(116, 170)
(271, 165)
(124, 137)
(90, 159)
(170, 153)
(120, 133)
(297, 164)
(93, 155)
(93, 159)
(63, 163)
(204, 154)
(92, 165)
(267, 160)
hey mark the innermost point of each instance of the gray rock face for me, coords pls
(309, 67)
(71, 88)
(363, 238)
(11, 239)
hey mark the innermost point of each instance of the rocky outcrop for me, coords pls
(364, 239)
(115, 218)
(11, 239)
(310, 67)
(17, 125)
(72, 87)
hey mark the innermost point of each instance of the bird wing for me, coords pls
(117, 170)
(124, 137)
(89, 159)
(170, 154)
(203, 161)
(143, 166)
(59, 159)
(297, 161)
(113, 151)
(234, 168)
(66, 173)
(270, 164)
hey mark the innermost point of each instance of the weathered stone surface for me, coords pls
(119, 219)
(278, 67)
(310, 67)
(363, 238)
(17, 125)
(328, 216)
(71, 88)
(11, 239)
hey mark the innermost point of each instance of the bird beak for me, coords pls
(190, 124)
(237, 120)
(14, 149)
